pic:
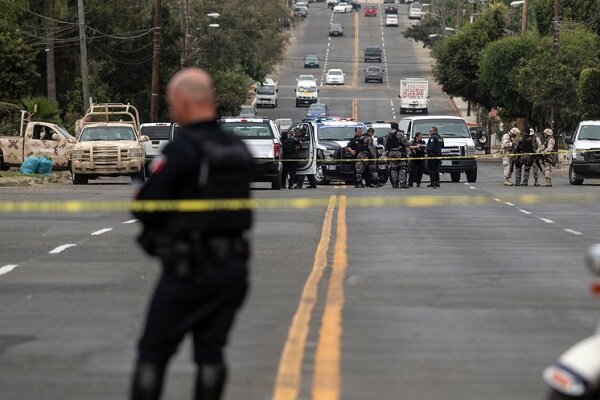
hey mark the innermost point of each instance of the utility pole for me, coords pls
(185, 28)
(524, 18)
(556, 47)
(156, 63)
(85, 86)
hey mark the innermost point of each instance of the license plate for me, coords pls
(331, 167)
(446, 163)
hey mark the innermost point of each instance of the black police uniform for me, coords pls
(417, 166)
(289, 146)
(359, 146)
(434, 149)
(204, 257)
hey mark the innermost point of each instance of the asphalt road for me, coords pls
(448, 302)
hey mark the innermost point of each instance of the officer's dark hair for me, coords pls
(434, 129)
(357, 129)
(418, 134)
(370, 130)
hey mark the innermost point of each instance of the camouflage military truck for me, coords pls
(36, 139)
(110, 144)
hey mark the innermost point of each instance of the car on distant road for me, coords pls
(317, 110)
(301, 4)
(373, 54)
(336, 30)
(343, 8)
(300, 11)
(334, 76)
(415, 11)
(374, 73)
(391, 8)
(311, 61)
(370, 11)
(391, 20)
(389, 1)
(248, 112)
(306, 77)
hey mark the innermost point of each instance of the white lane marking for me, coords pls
(508, 203)
(131, 221)
(546, 220)
(577, 233)
(7, 268)
(466, 183)
(525, 212)
(61, 248)
(495, 199)
(472, 187)
(101, 231)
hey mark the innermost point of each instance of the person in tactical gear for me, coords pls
(397, 147)
(417, 148)
(525, 158)
(516, 159)
(289, 146)
(312, 180)
(204, 255)
(508, 144)
(537, 164)
(549, 157)
(356, 146)
(435, 144)
(371, 154)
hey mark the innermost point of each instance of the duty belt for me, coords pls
(395, 149)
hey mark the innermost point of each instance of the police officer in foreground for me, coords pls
(356, 146)
(435, 144)
(417, 165)
(397, 148)
(204, 255)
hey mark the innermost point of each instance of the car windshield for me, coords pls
(93, 134)
(306, 78)
(336, 26)
(447, 128)
(161, 132)
(265, 89)
(373, 50)
(335, 72)
(62, 131)
(381, 131)
(311, 58)
(307, 88)
(589, 132)
(317, 107)
(373, 69)
(337, 132)
(249, 130)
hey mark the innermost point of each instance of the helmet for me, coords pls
(515, 131)
(531, 132)
(548, 132)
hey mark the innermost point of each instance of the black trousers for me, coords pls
(434, 171)
(312, 181)
(289, 168)
(416, 171)
(204, 309)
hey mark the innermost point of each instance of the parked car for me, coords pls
(391, 20)
(373, 54)
(391, 8)
(300, 11)
(370, 11)
(336, 30)
(343, 8)
(334, 77)
(415, 11)
(584, 152)
(374, 73)
(311, 61)
(159, 134)
(317, 110)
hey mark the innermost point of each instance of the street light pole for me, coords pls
(524, 18)
(156, 62)
(85, 86)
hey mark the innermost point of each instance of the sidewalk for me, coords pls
(461, 108)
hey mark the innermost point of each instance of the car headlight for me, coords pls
(470, 150)
(579, 156)
(135, 153)
(329, 154)
(76, 154)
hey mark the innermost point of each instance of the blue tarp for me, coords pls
(37, 165)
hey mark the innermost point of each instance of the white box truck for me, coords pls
(414, 95)
(266, 93)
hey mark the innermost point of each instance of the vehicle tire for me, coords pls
(276, 182)
(556, 395)
(573, 179)
(78, 179)
(455, 176)
(140, 177)
(320, 176)
(275, 106)
(3, 167)
(472, 175)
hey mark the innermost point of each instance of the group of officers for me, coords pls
(524, 152)
(404, 172)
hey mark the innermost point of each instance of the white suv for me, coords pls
(584, 152)
(159, 134)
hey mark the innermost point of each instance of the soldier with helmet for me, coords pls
(397, 148)
(549, 156)
(508, 144)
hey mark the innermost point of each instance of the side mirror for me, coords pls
(569, 139)
(276, 90)
(143, 138)
(55, 137)
(72, 140)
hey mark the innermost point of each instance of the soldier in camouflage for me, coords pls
(508, 145)
(547, 150)
(397, 149)
(370, 155)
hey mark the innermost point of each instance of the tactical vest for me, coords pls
(361, 144)
(526, 146)
(225, 173)
(393, 142)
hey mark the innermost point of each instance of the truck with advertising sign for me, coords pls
(414, 95)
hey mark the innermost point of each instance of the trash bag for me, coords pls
(45, 167)
(30, 165)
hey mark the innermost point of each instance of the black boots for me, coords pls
(210, 382)
(147, 381)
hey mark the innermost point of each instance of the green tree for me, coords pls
(42, 109)
(456, 66)
(583, 12)
(17, 65)
(231, 90)
(588, 93)
(498, 70)
(421, 32)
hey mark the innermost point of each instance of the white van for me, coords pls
(266, 93)
(307, 93)
(584, 152)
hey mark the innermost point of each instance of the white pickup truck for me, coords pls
(414, 95)
(264, 142)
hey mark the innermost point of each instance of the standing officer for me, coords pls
(507, 148)
(356, 146)
(204, 255)
(549, 157)
(525, 149)
(417, 166)
(289, 146)
(312, 180)
(537, 166)
(434, 149)
(397, 146)
(371, 155)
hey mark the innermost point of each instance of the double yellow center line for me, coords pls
(326, 378)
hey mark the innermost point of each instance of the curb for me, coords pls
(456, 109)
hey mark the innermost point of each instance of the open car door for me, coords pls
(308, 149)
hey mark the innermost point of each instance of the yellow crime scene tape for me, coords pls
(152, 206)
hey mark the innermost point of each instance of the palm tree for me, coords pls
(42, 108)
